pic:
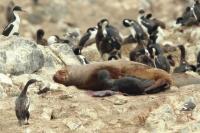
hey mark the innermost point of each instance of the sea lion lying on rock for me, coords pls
(86, 77)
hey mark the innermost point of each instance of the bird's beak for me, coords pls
(24, 11)
(39, 81)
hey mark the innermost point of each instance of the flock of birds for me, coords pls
(145, 31)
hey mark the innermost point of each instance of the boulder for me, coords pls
(5, 80)
(22, 56)
(161, 119)
(19, 55)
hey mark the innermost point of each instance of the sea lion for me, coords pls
(85, 77)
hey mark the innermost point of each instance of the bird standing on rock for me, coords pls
(108, 40)
(22, 104)
(56, 39)
(80, 57)
(157, 55)
(88, 38)
(137, 32)
(40, 40)
(13, 27)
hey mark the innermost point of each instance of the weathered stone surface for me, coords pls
(5, 80)
(47, 113)
(161, 119)
(19, 56)
(72, 123)
(2, 93)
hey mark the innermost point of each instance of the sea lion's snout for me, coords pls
(60, 76)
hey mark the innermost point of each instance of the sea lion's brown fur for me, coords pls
(85, 76)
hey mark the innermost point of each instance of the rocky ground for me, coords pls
(68, 109)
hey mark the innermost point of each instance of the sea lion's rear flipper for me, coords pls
(103, 93)
(158, 86)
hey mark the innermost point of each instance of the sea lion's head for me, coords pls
(61, 76)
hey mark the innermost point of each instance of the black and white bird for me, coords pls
(13, 27)
(108, 40)
(141, 16)
(22, 104)
(196, 10)
(138, 33)
(56, 39)
(151, 25)
(88, 38)
(157, 55)
(188, 18)
(80, 57)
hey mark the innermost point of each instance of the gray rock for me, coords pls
(189, 128)
(88, 113)
(161, 119)
(189, 104)
(58, 55)
(5, 80)
(72, 123)
(64, 53)
(120, 102)
(47, 113)
(19, 56)
(2, 93)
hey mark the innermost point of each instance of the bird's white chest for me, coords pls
(143, 27)
(16, 24)
(133, 32)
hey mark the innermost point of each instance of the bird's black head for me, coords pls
(148, 16)
(17, 8)
(187, 9)
(141, 11)
(127, 22)
(92, 29)
(179, 20)
(103, 22)
(40, 33)
(77, 51)
(196, 1)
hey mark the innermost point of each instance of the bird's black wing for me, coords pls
(84, 39)
(129, 39)
(162, 63)
(18, 114)
(197, 11)
(7, 29)
(112, 31)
